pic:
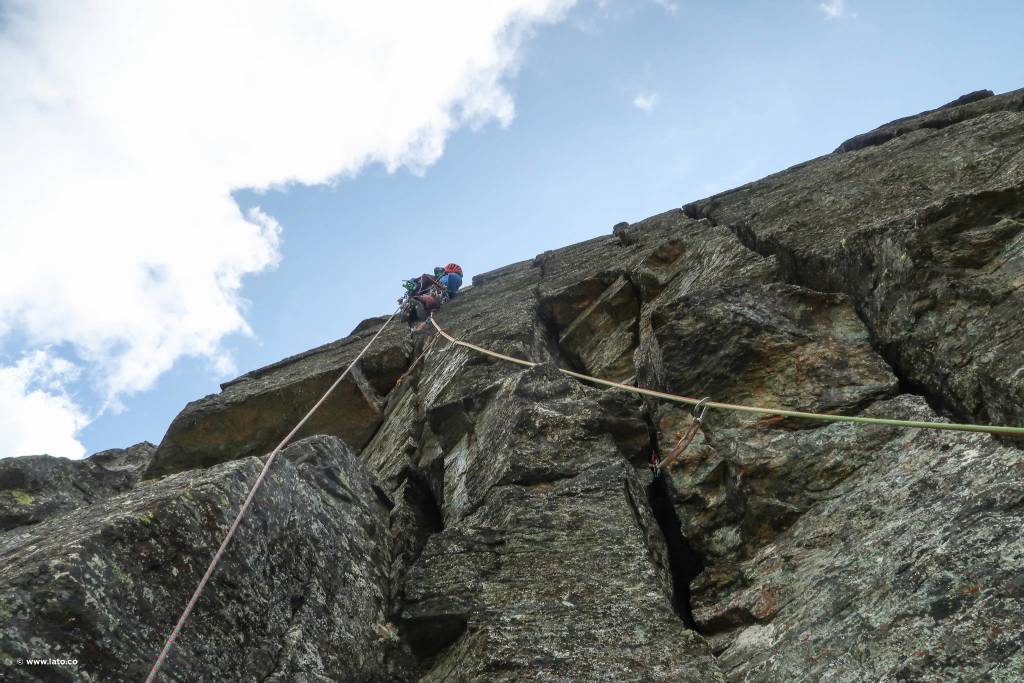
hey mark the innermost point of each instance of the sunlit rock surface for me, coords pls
(473, 519)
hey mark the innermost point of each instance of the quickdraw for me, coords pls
(440, 292)
(658, 464)
(407, 303)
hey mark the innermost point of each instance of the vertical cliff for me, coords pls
(471, 519)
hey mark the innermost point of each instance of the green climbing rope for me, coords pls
(779, 412)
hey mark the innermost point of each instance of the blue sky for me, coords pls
(622, 110)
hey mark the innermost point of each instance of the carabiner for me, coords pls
(703, 402)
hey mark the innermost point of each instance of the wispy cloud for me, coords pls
(835, 9)
(668, 5)
(124, 128)
(645, 101)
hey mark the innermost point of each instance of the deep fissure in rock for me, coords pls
(941, 404)
(801, 273)
(552, 340)
(427, 638)
(684, 562)
(426, 502)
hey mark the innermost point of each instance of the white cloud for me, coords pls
(835, 9)
(125, 126)
(668, 5)
(36, 414)
(645, 102)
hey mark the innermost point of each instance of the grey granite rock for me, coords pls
(253, 413)
(502, 524)
(301, 594)
(38, 487)
(856, 553)
(925, 234)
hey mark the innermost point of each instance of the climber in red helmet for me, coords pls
(432, 291)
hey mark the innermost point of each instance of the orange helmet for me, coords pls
(453, 268)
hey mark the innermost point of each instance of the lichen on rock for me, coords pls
(473, 519)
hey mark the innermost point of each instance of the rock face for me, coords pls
(860, 553)
(472, 519)
(495, 596)
(254, 412)
(303, 590)
(38, 487)
(925, 235)
(946, 115)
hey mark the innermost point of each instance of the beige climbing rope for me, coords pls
(169, 644)
(781, 412)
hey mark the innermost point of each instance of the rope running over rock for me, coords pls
(245, 506)
(914, 424)
(169, 644)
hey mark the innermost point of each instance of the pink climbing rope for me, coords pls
(245, 506)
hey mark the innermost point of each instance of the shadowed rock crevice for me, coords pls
(917, 284)
(415, 516)
(685, 564)
(429, 638)
(551, 333)
(595, 325)
(911, 387)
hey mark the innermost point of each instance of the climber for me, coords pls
(423, 283)
(452, 278)
(431, 292)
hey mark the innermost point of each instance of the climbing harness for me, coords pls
(699, 410)
(440, 292)
(245, 506)
(915, 424)
(407, 304)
